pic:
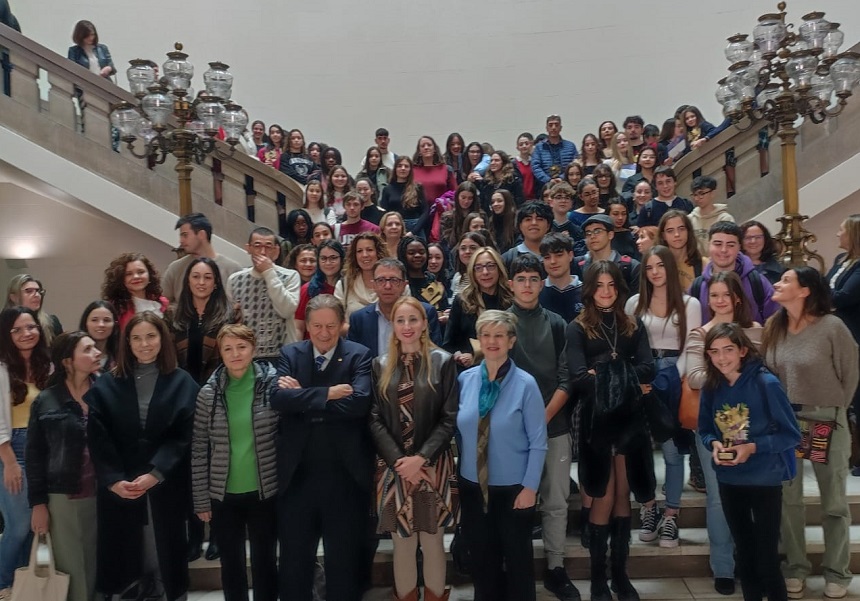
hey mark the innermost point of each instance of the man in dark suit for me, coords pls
(325, 456)
(371, 326)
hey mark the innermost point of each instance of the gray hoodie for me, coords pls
(702, 223)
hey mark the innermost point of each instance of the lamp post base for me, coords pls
(795, 242)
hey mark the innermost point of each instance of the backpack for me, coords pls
(755, 285)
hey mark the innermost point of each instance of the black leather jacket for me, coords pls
(434, 410)
(56, 437)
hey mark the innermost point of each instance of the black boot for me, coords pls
(599, 588)
(619, 551)
(584, 527)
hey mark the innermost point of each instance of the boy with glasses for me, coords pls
(599, 231)
(706, 212)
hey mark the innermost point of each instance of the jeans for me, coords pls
(753, 514)
(17, 537)
(719, 536)
(673, 459)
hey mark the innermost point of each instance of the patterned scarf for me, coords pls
(486, 401)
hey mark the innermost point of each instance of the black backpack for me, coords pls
(756, 286)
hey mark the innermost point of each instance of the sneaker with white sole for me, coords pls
(5, 594)
(795, 587)
(834, 590)
(668, 532)
(649, 518)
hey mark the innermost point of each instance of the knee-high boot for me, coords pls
(619, 552)
(599, 588)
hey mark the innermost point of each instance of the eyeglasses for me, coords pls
(594, 233)
(330, 259)
(754, 238)
(602, 176)
(33, 291)
(29, 328)
(700, 193)
(531, 281)
(387, 281)
(488, 267)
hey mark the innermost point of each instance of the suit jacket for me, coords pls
(434, 411)
(846, 294)
(307, 407)
(364, 327)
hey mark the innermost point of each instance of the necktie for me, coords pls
(319, 361)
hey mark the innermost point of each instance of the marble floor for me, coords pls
(669, 589)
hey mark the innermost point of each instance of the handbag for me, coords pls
(815, 438)
(661, 422)
(616, 385)
(688, 411)
(36, 582)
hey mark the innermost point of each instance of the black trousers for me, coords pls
(231, 518)
(500, 542)
(753, 514)
(327, 504)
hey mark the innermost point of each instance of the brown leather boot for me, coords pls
(410, 596)
(431, 596)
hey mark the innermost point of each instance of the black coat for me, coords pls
(122, 450)
(56, 438)
(846, 295)
(345, 419)
(434, 409)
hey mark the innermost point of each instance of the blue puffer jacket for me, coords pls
(542, 159)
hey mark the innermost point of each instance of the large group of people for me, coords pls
(542, 309)
(289, 408)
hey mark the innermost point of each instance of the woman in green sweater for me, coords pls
(233, 471)
(815, 357)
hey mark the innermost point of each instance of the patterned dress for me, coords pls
(427, 506)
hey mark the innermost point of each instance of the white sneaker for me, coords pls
(6, 593)
(833, 590)
(795, 587)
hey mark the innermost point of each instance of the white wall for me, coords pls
(338, 69)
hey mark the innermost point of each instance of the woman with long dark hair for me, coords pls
(591, 155)
(330, 255)
(606, 132)
(271, 154)
(668, 314)
(815, 357)
(24, 368)
(501, 175)
(430, 171)
(676, 232)
(438, 265)
(132, 285)
(296, 162)
(297, 229)
(26, 291)
(378, 174)
(453, 157)
(522, 162)
(451, 222)
(503, 219)
(412, 420)
(646, 163)
(406, 196)
(101, 322)
(139, 433)
(337, 184)
(60, 473)
(615, 456)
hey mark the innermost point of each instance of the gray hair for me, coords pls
(493, 317)
(325, 301)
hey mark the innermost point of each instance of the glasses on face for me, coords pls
(488, 267)
(29, 329)
(262, 246)
(594, 233)
(602, 176)
(329, 259)
(33, 291)
(700, 193)
(530, 280)
(387, 281)
(754, 238)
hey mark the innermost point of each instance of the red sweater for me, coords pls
(528, 179)
(436, 180)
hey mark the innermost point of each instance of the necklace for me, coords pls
(613, 344)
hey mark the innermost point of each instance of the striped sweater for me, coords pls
(210, 446)
(268, 302)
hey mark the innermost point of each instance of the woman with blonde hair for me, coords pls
(392, 229)
(355, 288)
(412, 420)
(487, 289)
(26, 291)
(623, 161)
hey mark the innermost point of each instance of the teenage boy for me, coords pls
(561, 202)
(706, 212)
(725, 250)
(599, 231)
(633, 127)
(382, 140)
(562, 291)
(665, 182)
(533, 222)
(354, 224)
(540, 350)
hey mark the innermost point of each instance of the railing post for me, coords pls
(60, 103)
(23, 84)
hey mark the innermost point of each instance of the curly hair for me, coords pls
(113, 287)
(351, 270)
(505, 174)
